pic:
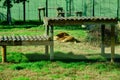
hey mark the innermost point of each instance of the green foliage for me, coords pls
(78, 65)
(1, 68)
(20, 78)
(101, 67)
(105, 67)
(30, 65)
(86, 77)
(16, 57)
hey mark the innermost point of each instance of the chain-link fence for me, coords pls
(103, 8)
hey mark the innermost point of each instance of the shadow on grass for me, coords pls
(71, 57)
(17, 57)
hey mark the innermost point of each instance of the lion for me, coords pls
(65, 37)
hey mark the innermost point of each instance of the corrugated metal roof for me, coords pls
(81, 18)
(64, 21)
(23, 38)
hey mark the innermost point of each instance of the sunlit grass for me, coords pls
(74, 61)
(23, 31)
(62, 70)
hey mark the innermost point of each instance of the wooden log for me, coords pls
(30, 38)
(13, 38)
(34, 38)
(1, 38)
(38, 37)
(5, 38)
(18, 37)
(22, 38)
(46, 38)
(26, 38)
(112, 43)
(102, 39)
(3, 54)
(9, 38)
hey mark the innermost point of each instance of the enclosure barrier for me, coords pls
(85, 21)
(24, 41)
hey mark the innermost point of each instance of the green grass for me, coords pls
(33, 30)
(61, 70)
(16, 57)
(22, 31)
(73, 61)
(20, 78)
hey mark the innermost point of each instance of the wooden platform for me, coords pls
(23, 40)
(62, 21)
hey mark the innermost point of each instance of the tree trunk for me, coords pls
(46, 8)
(24, 11)
(93, 8)
(118, 8)
(8, 12)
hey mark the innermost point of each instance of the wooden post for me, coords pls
(39, 11)
(52, 43)
(112, 42)
(3, 54)
(44, 12)
(47, 34)
(102, 39)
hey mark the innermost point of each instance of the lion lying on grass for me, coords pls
(65, 37)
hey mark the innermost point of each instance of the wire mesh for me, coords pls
(103, 8)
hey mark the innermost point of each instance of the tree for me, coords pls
(8, 4)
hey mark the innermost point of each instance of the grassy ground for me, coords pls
(73, 61)
(46, 70)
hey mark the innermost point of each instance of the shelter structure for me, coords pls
(51, 22)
